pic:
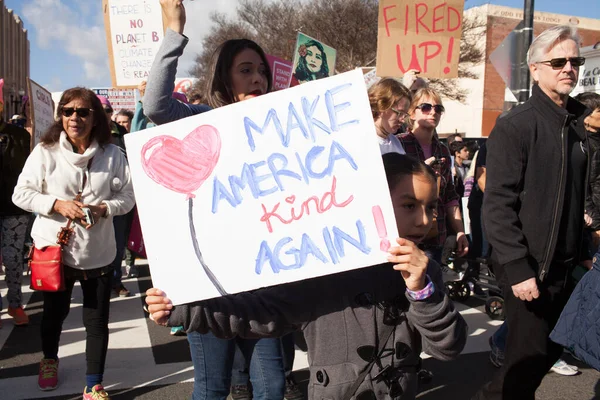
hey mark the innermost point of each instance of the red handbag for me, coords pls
(46, 268)
(45, 264)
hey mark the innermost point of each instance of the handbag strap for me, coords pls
(386, 333)
(65, 232)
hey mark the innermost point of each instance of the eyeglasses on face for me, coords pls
(426, 108)
(81, 112)
(401, 114)
(557, 63)
(108, 110)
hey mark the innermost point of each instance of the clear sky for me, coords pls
(68, 43)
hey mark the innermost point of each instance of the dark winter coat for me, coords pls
(592, 201)
(15, 144)
(342, 318)
(525, 190)
(578, 327)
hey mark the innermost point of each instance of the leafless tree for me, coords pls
(349, 26)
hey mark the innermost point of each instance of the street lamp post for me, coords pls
(526, 38)
(16, 101)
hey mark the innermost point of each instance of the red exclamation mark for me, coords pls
(384, 245)
(449, 56)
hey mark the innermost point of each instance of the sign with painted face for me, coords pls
(312, 60)
(422, 35)
(134, 31)
(280, 188)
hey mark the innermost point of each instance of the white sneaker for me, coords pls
(562, 368)
(450, 275)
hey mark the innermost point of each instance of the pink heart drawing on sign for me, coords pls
(182, 165)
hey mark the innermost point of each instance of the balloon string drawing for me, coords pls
(183, 166)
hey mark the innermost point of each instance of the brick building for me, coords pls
(14, 59)
(487, 97)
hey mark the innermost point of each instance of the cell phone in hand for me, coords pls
(436, 163)
(89, 217)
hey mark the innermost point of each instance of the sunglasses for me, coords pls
(108, 110)
(401, 114)
(561, 62)
(81, 112)
(426, 108)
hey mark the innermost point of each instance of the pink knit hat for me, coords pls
(104, 100)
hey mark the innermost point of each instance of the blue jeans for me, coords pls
(240, 370)
(499, 337)
(213, 360)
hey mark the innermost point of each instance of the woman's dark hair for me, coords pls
(302, 73)
(457, 146)
(397, 166)
(589, 99)
(100, 129)
(219, 88)
(126, 113)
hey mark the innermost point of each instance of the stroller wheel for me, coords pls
(494, 307)
(459, 291)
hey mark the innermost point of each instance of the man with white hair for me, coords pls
(533, 209)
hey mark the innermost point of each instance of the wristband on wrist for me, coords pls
(424, 293)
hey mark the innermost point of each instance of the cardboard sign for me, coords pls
(119, 98)
(312, 60)
(282, 72)
(284, 187)
(134, 31)
(422, 35)
(41, 109)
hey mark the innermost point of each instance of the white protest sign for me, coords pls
(119, 98)
(134, 31)
(42, 111)
(280, 188)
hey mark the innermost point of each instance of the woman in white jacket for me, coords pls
(75, 155)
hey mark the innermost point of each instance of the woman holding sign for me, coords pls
(238, 71)
(364, 328)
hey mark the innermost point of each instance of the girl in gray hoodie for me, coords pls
(364, 328)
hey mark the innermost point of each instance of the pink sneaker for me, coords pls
(48, 377)
(97, 393)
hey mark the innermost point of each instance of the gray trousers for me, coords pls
(12, 239)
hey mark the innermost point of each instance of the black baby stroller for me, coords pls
(475, 277)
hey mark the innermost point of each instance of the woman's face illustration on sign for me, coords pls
(314, 59)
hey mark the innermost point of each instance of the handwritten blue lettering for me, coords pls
(340, 237)
(309, 109)
(277, 171)
(309, 247)
(294, 122)
(220, 192)
(249, 124)
(333, 109)
(251, 178)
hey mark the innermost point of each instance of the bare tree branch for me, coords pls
(349, 26)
